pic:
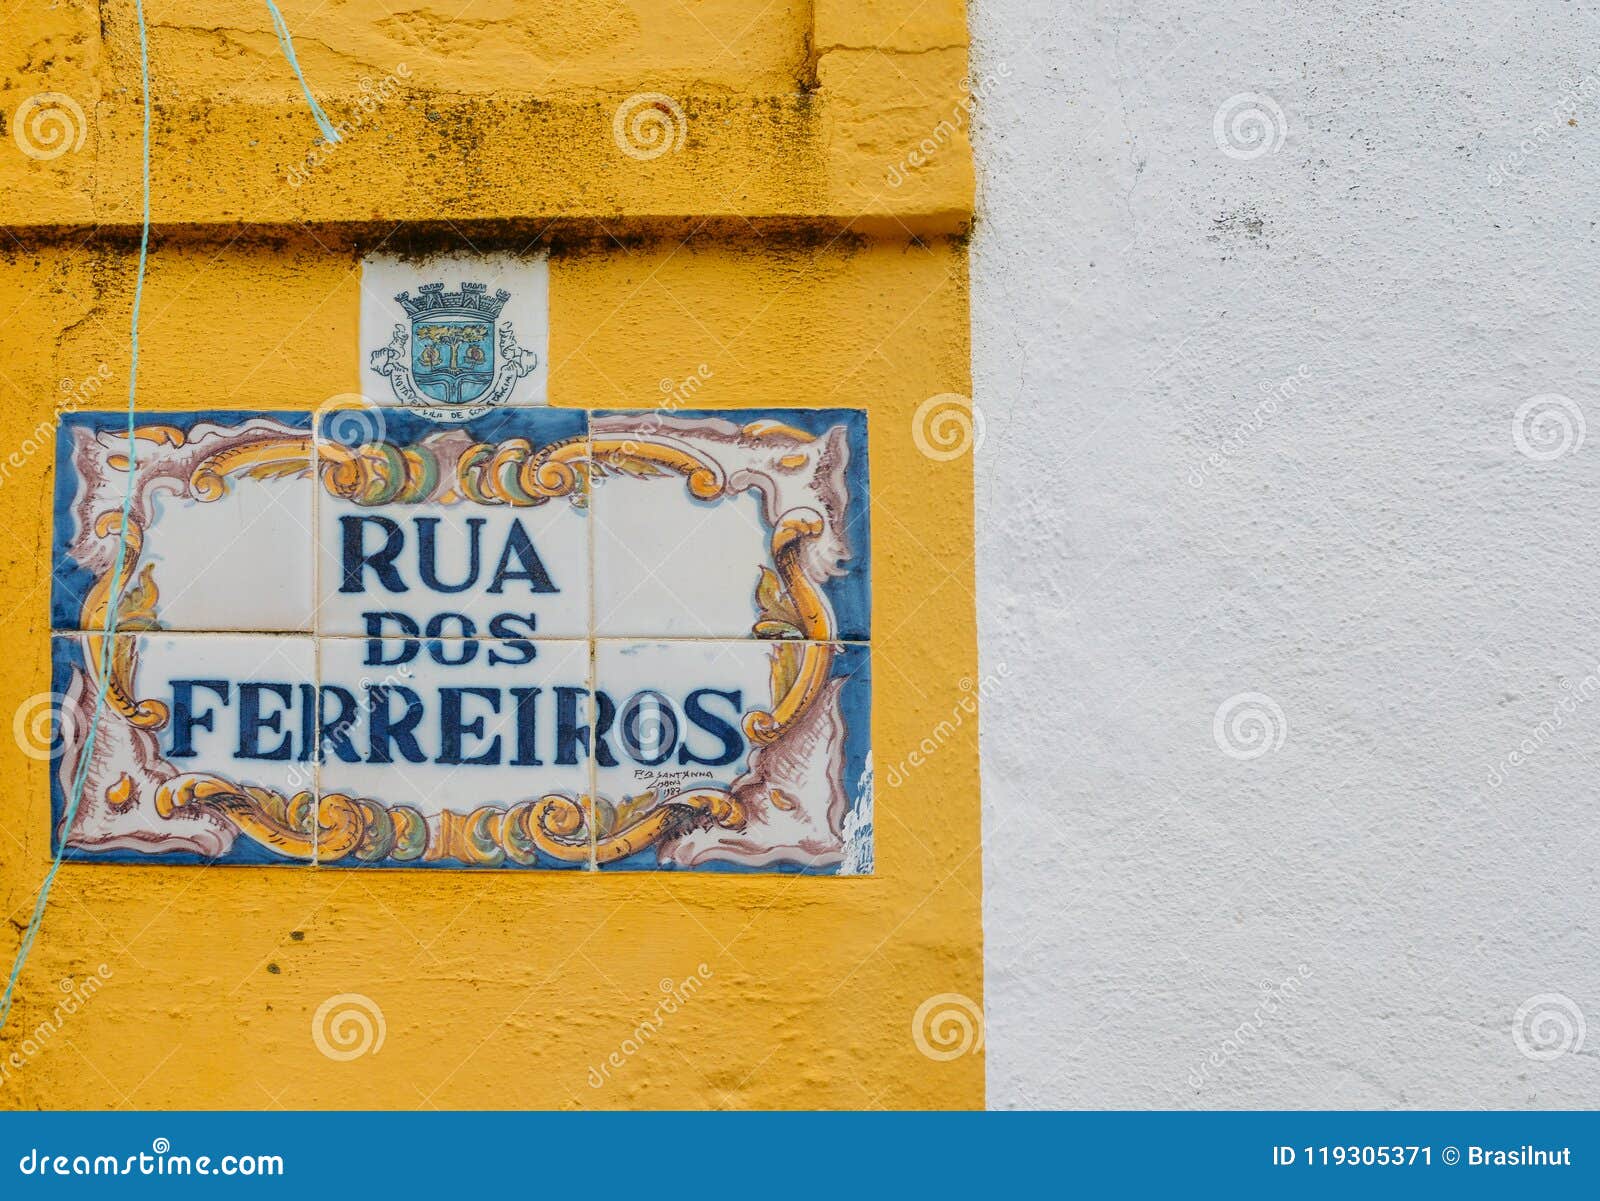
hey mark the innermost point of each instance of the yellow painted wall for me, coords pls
(772, 250)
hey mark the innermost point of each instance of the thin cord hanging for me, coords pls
(108, 632)
(284, 40)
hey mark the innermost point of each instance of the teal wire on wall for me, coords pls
(108, 631)
(287, 42)
(80, 777)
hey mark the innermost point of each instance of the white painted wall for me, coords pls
(1420, 257)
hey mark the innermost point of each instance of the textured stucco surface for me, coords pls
(786, 118)
(508, 989)
(1378, 557)
(764, 255)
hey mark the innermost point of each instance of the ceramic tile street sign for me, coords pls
(499, 635)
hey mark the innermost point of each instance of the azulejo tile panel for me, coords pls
(211, 759)
(456, 752)
(533, 638)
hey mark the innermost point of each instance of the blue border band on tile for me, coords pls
(541, 424)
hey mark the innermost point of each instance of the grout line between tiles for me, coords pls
(715, 640)
(316, 626)
(591, 525)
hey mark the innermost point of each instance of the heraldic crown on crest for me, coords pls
(472, 299)
(461, 354)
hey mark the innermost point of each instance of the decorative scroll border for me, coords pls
(450, 467)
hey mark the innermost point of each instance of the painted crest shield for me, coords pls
(452, 358)
(462, 359)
